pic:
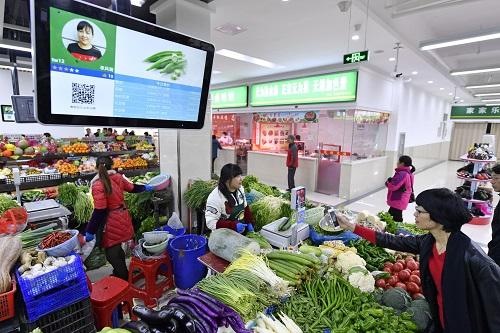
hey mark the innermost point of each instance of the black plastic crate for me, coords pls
(40, 178)
(75, 318)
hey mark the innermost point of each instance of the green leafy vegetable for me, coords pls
(67, 194)
(197, 194)
(269, 209)
(391, 226)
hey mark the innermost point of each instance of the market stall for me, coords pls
(333, 135)
(330, 282)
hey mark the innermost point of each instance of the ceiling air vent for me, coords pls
(230, 29)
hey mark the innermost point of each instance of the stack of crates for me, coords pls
(75, 318)
(58, 299)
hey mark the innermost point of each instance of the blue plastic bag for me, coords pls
(345, 236)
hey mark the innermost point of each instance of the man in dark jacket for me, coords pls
(215, 150)
(292, 161)
(494, 244)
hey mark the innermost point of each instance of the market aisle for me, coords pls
(442, 175)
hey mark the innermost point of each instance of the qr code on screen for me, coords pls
(83, 93)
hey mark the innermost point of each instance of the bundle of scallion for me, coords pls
(229, 292)
(31, 238)
(257, 266)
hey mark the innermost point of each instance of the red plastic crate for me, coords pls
(7, 309)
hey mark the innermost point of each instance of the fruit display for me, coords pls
(131, 163)
(99, 147)
(66, 168)
(143, 145)
(76, 148)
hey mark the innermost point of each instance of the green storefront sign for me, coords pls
(236, 97)
(327, 88)
(475, 112)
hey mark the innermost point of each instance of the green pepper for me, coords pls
(410, 325)
(369, 324)
(377, 313)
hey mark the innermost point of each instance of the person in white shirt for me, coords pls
(227, 206)
(225, 139)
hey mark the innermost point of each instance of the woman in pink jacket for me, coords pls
(400, 188)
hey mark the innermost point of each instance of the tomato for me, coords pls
(412, 265)
(412, 287)
(388, 264)
(388, 286)
(392, 280)
(417, 296)
(416, 272)
(408, 258)
(397, 267)
(414, 278)
(388, 269)
(404, 275)
(402, 262)
(400, 285)
(380, 283)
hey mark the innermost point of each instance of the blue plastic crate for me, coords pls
(31, 288)
(57, 299)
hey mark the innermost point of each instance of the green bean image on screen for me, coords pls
(171, 63)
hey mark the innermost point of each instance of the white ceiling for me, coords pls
(301, 34)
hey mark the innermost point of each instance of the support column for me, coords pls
(185, 154)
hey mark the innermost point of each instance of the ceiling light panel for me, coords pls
(491, 100)
(246, 58)
(427, 46)
(475, 71)
(487, 94)
(482, 86)
(231, 29)
(137, 3)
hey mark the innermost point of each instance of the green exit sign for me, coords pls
(355, 57)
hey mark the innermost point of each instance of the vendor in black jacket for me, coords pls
(460, 282)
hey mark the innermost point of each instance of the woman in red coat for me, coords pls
(111, 220)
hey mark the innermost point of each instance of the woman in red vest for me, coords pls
(111, 220)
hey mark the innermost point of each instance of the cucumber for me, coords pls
(290, 257)
(283, 224)
(307, 249)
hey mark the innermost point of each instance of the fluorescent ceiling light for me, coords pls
(441, 88)
(488, 94)
(414, 72)
(430, 82)
(355, 37)
(15, 47)
(456, 97)
(216, 72)
(451, 94)
(483, 86)
(246, 58)
(392, 59)
(494, 104)
(461, 101)
(459, 41)
(137, 3)
(23, 69)
(491, 100)
(475, 71)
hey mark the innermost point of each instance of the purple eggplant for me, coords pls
(153, 317)
(137, 327)
(205, 319)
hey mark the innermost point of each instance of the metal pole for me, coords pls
(13, 72)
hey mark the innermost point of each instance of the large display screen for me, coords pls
(97, 67)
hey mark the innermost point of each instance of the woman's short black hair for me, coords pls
(228, 172)
(83, 25)
(445, 207)
(213, 136)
